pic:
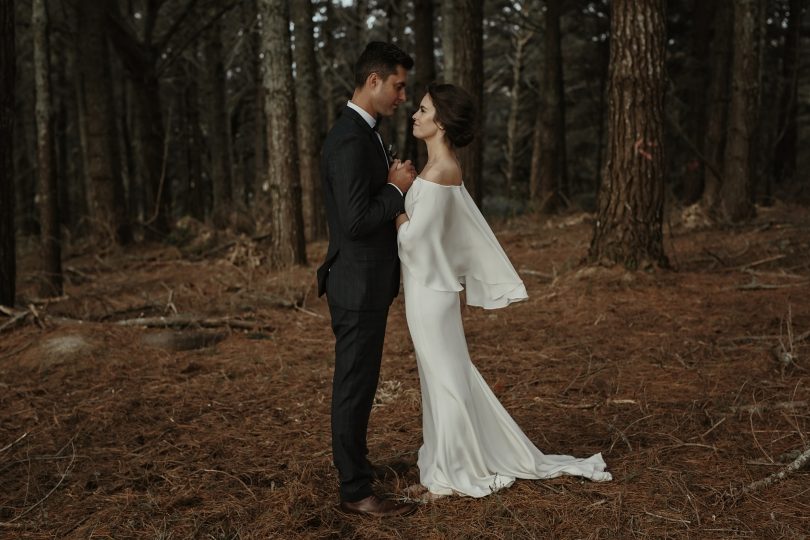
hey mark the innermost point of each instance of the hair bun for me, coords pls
(460, 136)
(455, 110)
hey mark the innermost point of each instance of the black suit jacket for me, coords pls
(361, 270)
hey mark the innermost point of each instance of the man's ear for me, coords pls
(373, 79)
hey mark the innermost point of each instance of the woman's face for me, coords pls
(424, 123)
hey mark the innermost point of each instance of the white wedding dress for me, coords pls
(471, 446)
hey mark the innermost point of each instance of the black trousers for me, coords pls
(359, 339)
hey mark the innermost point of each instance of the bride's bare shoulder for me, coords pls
(445, 173)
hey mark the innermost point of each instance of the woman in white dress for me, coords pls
(471, 446)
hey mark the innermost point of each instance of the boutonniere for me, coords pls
(392, 152)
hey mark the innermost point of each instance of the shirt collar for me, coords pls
(370, 120)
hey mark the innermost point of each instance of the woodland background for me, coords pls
(165, 362)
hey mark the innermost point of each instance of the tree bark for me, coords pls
(736, 199)
(287, 236)
(628, 227)
(448, 8)
(519, 42)
(25, 165)
(141, 61)
(786, 145)
(219, 138)
(260, 123)
(51, 283)
(360, 23)
(102, 160)
(309, 126)
(551, 168)
(424, 63)
(151, 138)
(8, 250)
(400, 122)
(198, 195)
(469, 74)
(714, 141)
(703, 13)
(327, 65)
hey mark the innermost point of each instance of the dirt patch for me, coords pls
(691, 382)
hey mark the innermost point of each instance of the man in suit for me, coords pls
(363, 192)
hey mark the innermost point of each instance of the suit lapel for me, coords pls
(378, 142)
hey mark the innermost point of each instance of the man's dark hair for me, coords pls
(380, 58)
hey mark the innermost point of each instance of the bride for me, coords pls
(471, 446)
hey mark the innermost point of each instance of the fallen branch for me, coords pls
(15, 321)
(140, 308)
(18, 317)
(676, 520)
(11, 444)
(756, 285)
(762, 407)
(794, 466)
(184, 321)
(761, 261)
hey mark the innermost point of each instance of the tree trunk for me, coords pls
(51, 284)
(424, 65)
(714, 141)
(519, 41)
(141, 61)
(603, 51)
(736, 198)
(327, 66)
(102, 160)
(197, 200)
(151, 139)
(360, 23)
(131, 153)
(400, 122)
(535, 187)
(309, 126)
(259, 118)
(469, 74)
(786, 143)
(219, 138)
(552, 162)
(25, 184)
(8, 250)
(287, 236)
(703, 13)
(628, 226)
(448, 33)
(60, 60)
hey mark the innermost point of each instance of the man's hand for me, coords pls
(401, 219)
(402, 174)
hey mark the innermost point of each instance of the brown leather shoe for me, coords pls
(376, 507)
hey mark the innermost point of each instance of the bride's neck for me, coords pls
(438, 150)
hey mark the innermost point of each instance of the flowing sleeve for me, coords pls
(448, 246)
(490, 279)
(420, 242)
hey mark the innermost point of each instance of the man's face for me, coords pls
(386, 95)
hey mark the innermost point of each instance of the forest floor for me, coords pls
(692, 382)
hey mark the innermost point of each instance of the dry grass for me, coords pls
(128, 440)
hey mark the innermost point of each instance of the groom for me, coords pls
(363, 192)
